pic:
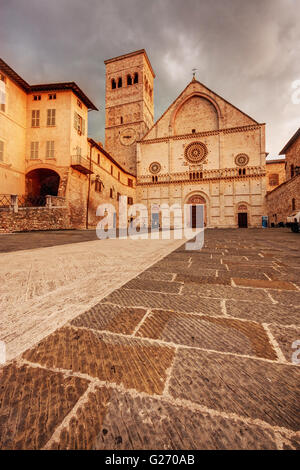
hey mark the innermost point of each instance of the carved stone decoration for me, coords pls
(241, 159)
(196, 199)
(195, 152)
(155, 168)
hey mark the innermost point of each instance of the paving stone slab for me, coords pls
(151, 285)
(33, 402)
(262, 313)
(252, 273)
(219, 334)
(155, 275)
(286, 338)
(287, 298)
(264, 284)
(130, 362)
(120, 421)
(225, 292)
(200, 278)
(111, 318)
(248, 387)
(178, 303)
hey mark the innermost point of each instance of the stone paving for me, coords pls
(44, 287)
(193, 353)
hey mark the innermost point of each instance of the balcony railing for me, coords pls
(82, 164)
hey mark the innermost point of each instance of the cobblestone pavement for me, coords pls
(193, 353)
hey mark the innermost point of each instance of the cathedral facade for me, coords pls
(202, 150)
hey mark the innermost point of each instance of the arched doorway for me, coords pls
(242, 214)
(196, 216)
(40, 183)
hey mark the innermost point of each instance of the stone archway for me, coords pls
(40, 183)
(193, 201)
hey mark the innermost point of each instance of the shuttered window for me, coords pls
(50, 149)
(35, 118)
(34, 150)
(2, 92)
(1, 151)
(51, 113)
(274, 179)
(79, 123)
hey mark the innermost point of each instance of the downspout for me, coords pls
(89, 190)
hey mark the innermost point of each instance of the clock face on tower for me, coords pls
(128, 136)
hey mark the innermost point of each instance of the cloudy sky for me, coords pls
(246, 51)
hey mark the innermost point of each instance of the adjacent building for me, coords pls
(285, 198)
(44, 151)
(275, 173)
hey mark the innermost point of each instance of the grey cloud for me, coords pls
(247, 52)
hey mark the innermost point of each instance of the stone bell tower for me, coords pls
(129, 109)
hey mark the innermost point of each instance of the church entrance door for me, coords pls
(197, 211)
(242, 220)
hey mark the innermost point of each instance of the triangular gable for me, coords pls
(229, 115)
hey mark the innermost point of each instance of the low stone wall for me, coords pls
(279, 201)
(34, 218)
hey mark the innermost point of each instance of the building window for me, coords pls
(35, 118)
(50, 149)
(193, 131)
(111, 170)
(136, 78)
(292, 170)
(119, 82)
(34, 150)
(36, 97)
(113, 84)
(154, 179)
(121, 119)
(79, 103)
(1, 151)
(274, 179)
(118, 176)
(118, 196)
(2, 92)
(98, 158)
(51, 117)
(98, 185)
(79, 124)
(130, 200)
(111, 193)
(293, 204)
(130, 183)
(52, 96)
(129, 80)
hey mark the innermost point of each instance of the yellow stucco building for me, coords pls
(44, 151)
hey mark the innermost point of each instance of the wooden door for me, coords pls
(242, 219)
